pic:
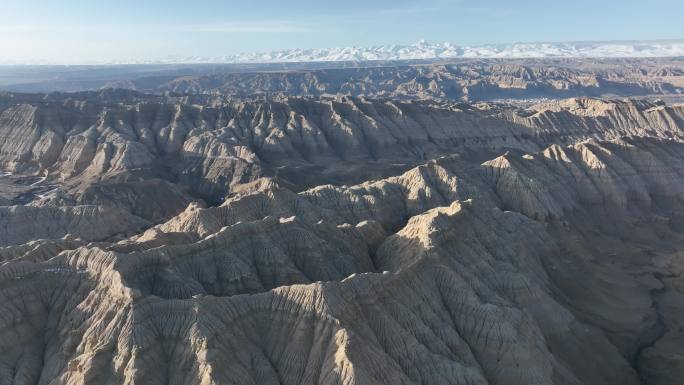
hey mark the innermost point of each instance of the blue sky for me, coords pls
(96, 30)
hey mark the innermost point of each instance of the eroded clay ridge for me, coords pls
(556, 266)
(466, 80)
(448, 79)
(139, 144)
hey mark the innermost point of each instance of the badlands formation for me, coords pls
(464, 80)
(203, 239)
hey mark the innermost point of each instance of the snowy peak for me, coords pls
(424, 50)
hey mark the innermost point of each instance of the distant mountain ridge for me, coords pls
(424, 51)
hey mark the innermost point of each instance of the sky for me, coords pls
(86, 31)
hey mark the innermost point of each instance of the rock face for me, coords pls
(206, 240)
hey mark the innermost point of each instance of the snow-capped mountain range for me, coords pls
(421, 50)
(426, 51)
